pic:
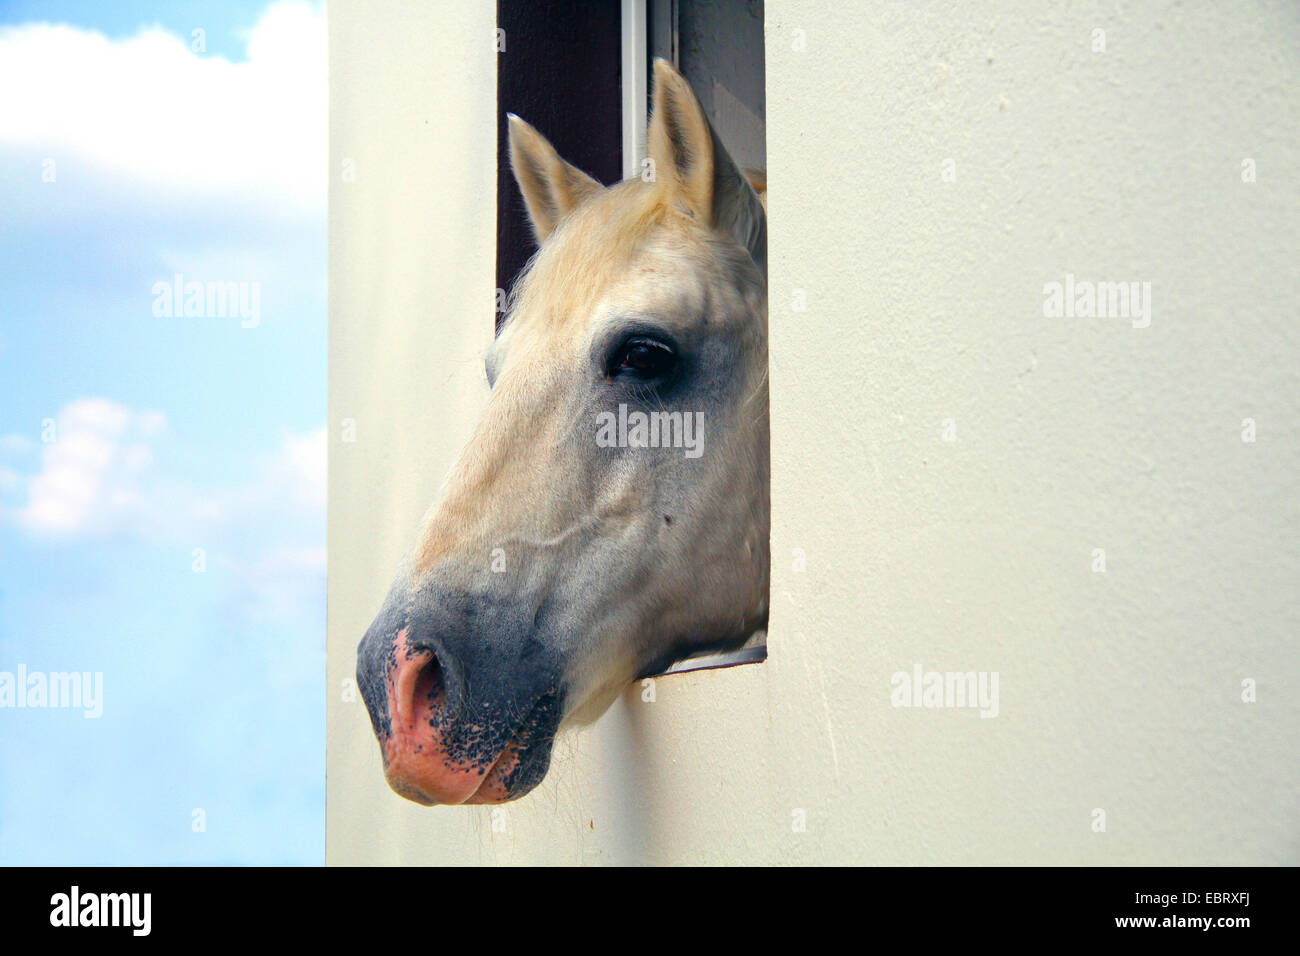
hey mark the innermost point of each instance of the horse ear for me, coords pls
(696, 170)
(552, 188)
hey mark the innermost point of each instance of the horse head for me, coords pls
(609, 515)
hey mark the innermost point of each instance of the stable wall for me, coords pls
(923, 319)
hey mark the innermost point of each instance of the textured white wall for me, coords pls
(1118, 691)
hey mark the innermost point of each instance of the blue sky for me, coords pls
(162, 477)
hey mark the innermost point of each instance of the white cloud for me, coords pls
(90, 477)
(99, 475)
(169, 161)
(149, 109)
(304, 460)
(105, 476)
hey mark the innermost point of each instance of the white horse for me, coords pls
(610, 513)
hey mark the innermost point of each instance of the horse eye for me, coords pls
(644, 359)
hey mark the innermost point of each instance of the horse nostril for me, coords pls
(417, 758)
(429, 686)
(420, 688)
